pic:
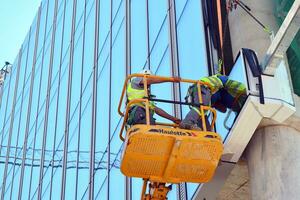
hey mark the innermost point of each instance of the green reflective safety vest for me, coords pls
(133, 93)
(215, 83)
(235, 88)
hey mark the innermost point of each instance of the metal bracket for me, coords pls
(282, 40)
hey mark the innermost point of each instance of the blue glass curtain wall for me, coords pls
(58, 110)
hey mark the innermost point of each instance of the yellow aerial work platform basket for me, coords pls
(164, 153)
(170, 155)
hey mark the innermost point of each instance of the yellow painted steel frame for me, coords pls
(170, 155)
(165, 153)
(202, 108)
(157, 191)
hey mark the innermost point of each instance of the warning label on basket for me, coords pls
(171, 132)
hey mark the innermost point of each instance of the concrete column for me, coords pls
(246, 33)
(273, 156)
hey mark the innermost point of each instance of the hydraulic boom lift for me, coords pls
(164, 153)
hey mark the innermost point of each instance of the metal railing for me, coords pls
(146, 101)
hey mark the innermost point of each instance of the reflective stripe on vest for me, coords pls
(235, 88)
(214, 81)
(133, 93)
(206, 112)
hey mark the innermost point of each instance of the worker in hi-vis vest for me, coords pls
(233, 96)
(222, 94)
(137, 112)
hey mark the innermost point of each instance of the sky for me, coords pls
(16, 17)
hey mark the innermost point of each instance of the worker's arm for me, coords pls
(162, 113)
(223, 78)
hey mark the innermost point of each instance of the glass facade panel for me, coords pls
(17, 118)
(138, 34)
(52, 122)
(237, 73)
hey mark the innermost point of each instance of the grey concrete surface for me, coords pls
(274, 163)
(273, 154)
(246, 33)
(237, 185)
